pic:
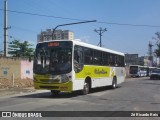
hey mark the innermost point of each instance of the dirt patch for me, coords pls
(10, 87)
(17, 83)
(15, 90)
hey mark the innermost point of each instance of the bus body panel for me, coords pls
(99, 75)
(120, 73)
(78, 84)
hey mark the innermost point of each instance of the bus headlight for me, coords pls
(64, 78)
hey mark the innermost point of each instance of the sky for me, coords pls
(119, 17)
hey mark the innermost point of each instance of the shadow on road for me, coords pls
(64, 95)
(48, 95)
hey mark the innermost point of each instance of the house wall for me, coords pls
(26, 69)
(21, 69)
(8, 67)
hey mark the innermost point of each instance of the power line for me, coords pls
(42, 15)
(133, 25)
(103, 22)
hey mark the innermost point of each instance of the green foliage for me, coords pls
(157, 51)
(20, 49)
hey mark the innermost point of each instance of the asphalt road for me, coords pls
(137, 94)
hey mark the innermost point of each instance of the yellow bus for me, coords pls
(67, 66)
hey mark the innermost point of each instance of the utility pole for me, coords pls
(5, 29)
(100, 31)
(150, 52)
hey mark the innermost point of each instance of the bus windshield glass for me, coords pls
(53, 58)
(133, 69)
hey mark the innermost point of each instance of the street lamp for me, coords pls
(69, 24)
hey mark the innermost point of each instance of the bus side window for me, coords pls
(118, 61)
(110, 60)
(97, 57)
(105, 59)
(121, 61)
(88, 56)
(78, 58)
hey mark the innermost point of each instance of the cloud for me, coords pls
(85, 39)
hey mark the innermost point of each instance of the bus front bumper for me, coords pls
(62, 87)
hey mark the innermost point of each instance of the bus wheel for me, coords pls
(114, 83)
(86, 88)
(55, 92)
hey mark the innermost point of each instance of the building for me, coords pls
(58, 35)
(131, 59)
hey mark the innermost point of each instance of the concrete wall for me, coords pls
(21, 69)
(8, 67)
(26, 69)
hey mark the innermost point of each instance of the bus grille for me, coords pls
(49, 81)
(44, 80)
(49, 87)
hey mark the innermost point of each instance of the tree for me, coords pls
(157, 51)
(20, 49)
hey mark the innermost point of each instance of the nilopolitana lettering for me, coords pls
(97, 71)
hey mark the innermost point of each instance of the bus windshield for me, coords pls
(53, 59)
(133, 69)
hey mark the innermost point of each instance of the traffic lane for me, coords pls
(134, 94)
(34, 100)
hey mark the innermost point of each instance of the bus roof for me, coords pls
(76, 42)
(97, 47)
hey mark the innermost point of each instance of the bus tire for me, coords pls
(55, 92)
(86, 88)
(114, 83)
